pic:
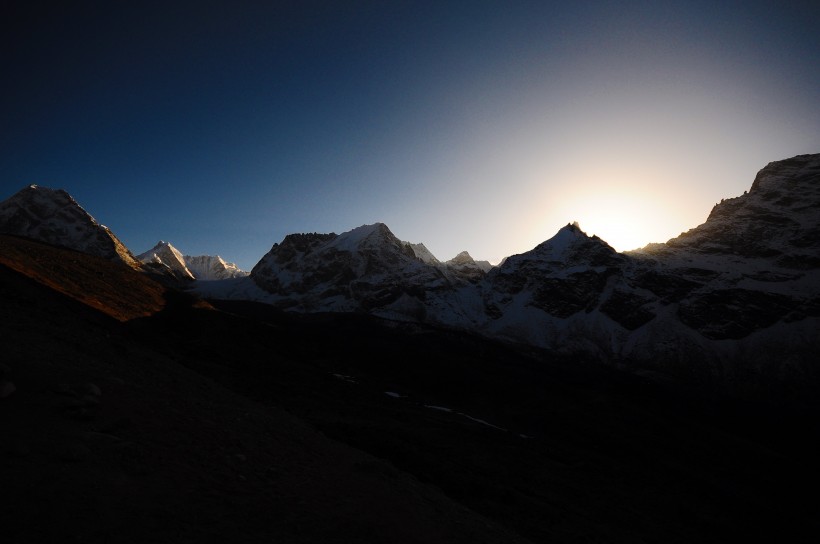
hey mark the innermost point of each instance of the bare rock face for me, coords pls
(778, 219)
(754, 261)
(562, 276)
(734, 313)
(54, 217)
(365, 269)
(464, 267)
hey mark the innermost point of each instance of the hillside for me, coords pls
(243, 422)
(107, 436)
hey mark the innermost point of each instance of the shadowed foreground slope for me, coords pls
(107, 439)
(206, 428)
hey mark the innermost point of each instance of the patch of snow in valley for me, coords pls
(440, 408)
(344, 378)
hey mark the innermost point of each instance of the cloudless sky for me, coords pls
(486, 126)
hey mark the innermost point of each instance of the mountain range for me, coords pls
(354, 388)
(167, 259)
(733, 301)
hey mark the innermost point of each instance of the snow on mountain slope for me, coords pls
(462, 266)
(422, 253)
(202, 267)
(212, 268)
(542, 296)
(465, 267)
(484, 265)
(754, 261)
(366, 269)
(167, 256)
(776, 220)
(731, 300)
(734, 301)
(54, 217)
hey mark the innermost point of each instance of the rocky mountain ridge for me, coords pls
(744, 285)
(734, 299)
(351, 428)
(367, 268)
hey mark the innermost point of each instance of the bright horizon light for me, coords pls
(625, 222)
(626, 218)
(626, 203)
(481, 129)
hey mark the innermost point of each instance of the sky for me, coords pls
(481, 126)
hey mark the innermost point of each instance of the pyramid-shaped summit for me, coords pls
(570, 246)
(54, 217)
(167, 256)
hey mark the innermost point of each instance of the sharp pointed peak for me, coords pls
(422, 253)
(365, 234)
(463, 257)
(55, 217)
(573, 227)
(163, 244)
(40, 191)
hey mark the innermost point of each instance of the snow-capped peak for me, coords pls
(569, 247)
(556, 247)
(202, 267)
(570, 243)
(744, 282)
(422, 253)
(364, 267)
(166, 255)
(361, 237)
(462, 258)
(54, 217)
(210, 268)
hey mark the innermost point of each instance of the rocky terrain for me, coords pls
(105, 434)
(354, 388)
(184, 422)
(730, 304)
(366, 269)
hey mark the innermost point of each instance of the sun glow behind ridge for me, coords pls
(624, 221)
(626, 205)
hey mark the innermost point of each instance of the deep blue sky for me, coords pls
(486, 126)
